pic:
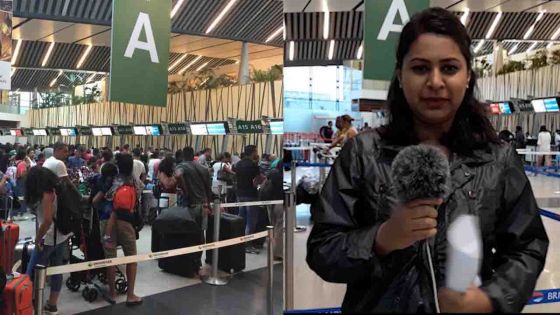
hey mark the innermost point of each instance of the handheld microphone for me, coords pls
(421, 172)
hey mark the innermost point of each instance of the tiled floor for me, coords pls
(312, 292)
(150, 279)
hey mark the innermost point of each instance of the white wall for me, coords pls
(23, 120)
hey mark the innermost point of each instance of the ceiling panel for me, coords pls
(475, 5)
(39, 29)
(518, 6)
(103, 38)
(553, 6)
(81, 33)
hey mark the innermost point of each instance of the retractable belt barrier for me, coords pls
(94, 264)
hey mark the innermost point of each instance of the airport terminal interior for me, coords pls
(238, 107)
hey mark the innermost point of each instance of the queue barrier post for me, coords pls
(214, 278)
(270, 266)
(289, 221)
(39, 281)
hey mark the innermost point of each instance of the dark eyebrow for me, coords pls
(428, 61)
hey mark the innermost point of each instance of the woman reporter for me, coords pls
(364, 238)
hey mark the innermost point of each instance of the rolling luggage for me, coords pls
(9, 235)
(175, 228)
(230, 257)
(17, 296)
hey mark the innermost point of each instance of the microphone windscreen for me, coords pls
(420, 172)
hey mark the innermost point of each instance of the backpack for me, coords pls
(70, 209)
(125, 199)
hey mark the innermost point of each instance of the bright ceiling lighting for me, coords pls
(202, 67)
(360, 52)
(556, 34)
(176, 63)
(494, 25)
(16, 52)
(13, 72)
(480, 43)
(549, 45)
(331, 49)
(84, 56)
(532, 47)
(221, 16)
(292, 48)
(53, 82)
(91, 77)
(176, 7)
(465, 16)
(48, 55)
(541, 14)
(284, 30)
(514, 49)
(529, 32)
(326, 20)
(190, 64)
(275, 34)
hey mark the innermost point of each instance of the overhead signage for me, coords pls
(249, 126)
(199, 129)
(383, 24)
(16, 132)
(27, 132)
(5, 46)
(39, 132)
(177, 129)
(140, 51)
(72, 132)
(54, 131)
(217, 129)
(85, 131)
(125, 130)
(276, 127)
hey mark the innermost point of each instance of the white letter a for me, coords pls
(399, 7)
(143, 22)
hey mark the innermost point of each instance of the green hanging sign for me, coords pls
(249, 126)
(140, 51)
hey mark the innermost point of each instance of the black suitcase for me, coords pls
(175, 228)
(231, 258)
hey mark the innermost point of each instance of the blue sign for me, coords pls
(545, 296)
(505, 109)
(551, 105)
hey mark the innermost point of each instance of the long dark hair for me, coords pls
(471, 128)
(39, 180)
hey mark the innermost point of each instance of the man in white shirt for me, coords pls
(55, 163)
(205, 157)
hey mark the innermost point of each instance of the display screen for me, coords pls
(217, 129)
(525, 106)
(551, 105)
(63, 132)
(125, 130)
(277, 127)
(505, 108)
(27, 132)
(97, 131)
(252, 126)
(72, 132)
(86, 131)
(140, 130)
(494, 108)
(538, 105)
(154, 130)
(16, 132)
(199, 129)
(106, 131)
(54, 132)
(177, 129)
(39, 132)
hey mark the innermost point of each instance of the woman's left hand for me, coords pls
(472, 301)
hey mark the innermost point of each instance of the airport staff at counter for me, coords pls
(364, 238)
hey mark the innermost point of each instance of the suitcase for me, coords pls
(9, 235)
(6, 206)
(230, 258)
(23, 251)
(17, 296)
(175, 228)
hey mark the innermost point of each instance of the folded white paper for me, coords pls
(464, 253)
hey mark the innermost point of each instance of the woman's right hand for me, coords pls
(409, 223)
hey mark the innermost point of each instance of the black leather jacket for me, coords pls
(357, 198)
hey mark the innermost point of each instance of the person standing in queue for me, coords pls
(362, 237)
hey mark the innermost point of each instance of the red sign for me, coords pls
(495, 108)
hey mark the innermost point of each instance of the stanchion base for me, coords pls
(215, 281)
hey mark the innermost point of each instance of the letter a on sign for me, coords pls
(397, 7)
(142, 23)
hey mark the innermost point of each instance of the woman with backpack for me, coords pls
(40, 195)
(120, 228)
